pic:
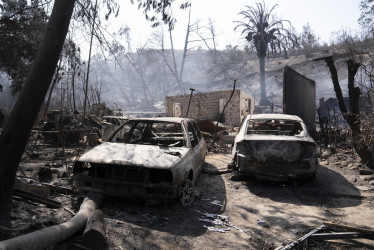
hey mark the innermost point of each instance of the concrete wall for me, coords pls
(247, 104)
(299, 97)
(207, 105)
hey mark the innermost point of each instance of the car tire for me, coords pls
(186, 193)
(236, 163)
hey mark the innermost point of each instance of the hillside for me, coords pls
(141, 81)
(145, 87)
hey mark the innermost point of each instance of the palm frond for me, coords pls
(263, 29)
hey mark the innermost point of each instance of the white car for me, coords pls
(148, 158)
(275, 146)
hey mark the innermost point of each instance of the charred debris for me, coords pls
(57, 142)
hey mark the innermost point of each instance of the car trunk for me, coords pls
(275, 153)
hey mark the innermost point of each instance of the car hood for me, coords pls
(134, 154)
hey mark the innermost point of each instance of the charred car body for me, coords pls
(150, 158)
(275, 146)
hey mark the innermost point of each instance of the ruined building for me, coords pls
(210, 104)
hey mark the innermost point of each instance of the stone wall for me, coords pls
(207, 106)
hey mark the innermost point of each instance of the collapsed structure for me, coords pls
(209, 105)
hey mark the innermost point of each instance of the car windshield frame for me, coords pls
(273, 126)
(150, 132)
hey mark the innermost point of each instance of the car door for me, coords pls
(202, 144)
(196, 147)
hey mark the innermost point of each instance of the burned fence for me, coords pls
(299, 97)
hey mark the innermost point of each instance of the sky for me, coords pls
(324, 17)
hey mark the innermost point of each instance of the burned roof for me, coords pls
(161, 119)
(275, 116)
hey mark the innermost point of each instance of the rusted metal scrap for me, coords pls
(336, 235)
(37, 198)
(219, 220)
(300, 240)
(358, 233)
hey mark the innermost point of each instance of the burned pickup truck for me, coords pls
(150, 158)
(275, 146)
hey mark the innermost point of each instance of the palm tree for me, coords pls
(265, 33)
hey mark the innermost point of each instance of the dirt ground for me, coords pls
(229, 211)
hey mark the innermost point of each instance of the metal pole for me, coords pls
(192, 90)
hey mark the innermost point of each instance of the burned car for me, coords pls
(275, 146)
(149, 158)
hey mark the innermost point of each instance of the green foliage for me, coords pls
(153, 9)
(21, 29)
(86, 9)
(264, 31)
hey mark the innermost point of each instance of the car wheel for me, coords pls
(235, 163)
(314, 175)
(186, 193)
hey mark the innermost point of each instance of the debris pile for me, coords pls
(219, 141)
(221, 223)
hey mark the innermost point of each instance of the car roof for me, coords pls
(274, 116)
(162, 119)
(113, 116)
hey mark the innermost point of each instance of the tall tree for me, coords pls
(14, 137)
(351, 115)
(179, 76)
(265, 32)
(210, 40)
(21, 30)
(366, 19)
(169, 20)
(308, 40)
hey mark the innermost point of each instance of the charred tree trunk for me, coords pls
(180, 77)
(89, 63)
(335, 82)
(263, 99)
(55, 80)
(73, 85)
(175, 71)
(262, 49)
(17, 130)
(46, 237)
(94, 233)
(353, 116)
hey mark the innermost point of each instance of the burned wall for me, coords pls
(247, 104)
(208, 105)
(299, 97)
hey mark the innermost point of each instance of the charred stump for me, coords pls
(353, 115)
(94, 233)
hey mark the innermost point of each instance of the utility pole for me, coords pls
(192, 90)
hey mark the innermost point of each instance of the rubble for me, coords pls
(282, 209)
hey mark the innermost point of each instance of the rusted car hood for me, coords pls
(134, 154)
